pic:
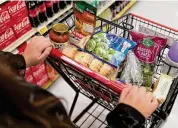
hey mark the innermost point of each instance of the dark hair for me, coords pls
(23, 105)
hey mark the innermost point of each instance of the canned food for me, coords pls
(59, 35)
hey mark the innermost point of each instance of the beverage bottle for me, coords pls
(42, 11)
(56, 6)
(62, 4)
(33, 13)
(68, 2)
(49, 8)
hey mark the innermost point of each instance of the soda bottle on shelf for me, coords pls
(49, 8)
(62, 4)
(68, 2)
(33, 13)
(56, 6)
(42, 11)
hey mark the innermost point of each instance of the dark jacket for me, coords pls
(123, 116)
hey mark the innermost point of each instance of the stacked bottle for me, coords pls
(39, 11)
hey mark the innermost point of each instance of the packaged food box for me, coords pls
(52, 74)
(5, 19)
(29, 77)
(85, 17)
(17, 9)
(40, 75)
(22, 26)
(6, 38)
(78, 39)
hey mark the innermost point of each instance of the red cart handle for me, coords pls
(115, 86)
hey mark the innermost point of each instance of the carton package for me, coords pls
(52, 74)
(29, 77)
(22, 26)
(6, 38)
(17, 9)
(40, 75)
(5, 19)
(85, 17)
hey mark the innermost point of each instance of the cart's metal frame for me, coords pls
(98, 91)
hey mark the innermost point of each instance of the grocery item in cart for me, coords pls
(146, 51)
(170, 40)
(148, 46)
(85, 17)
(59, 35)
(109, 47)
(70, 51)
(162, 87)
(132, 72)
(83, 58)
(96, 65)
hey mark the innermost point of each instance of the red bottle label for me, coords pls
(49, 4)
(33, 12)
(56, 1)
(42, 8)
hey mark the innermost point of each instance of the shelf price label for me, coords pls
(42, 30)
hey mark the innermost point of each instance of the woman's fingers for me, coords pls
(45, 53)
(125, 92)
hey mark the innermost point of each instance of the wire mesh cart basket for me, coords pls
(103, 92)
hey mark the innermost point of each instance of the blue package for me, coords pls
(111, 48)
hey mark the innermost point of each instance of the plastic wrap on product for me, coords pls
(132, 72)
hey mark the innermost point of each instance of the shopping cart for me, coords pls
(103, 92)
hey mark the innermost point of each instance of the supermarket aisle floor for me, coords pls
(165, 12)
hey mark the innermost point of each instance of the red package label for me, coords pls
(42, 8)
(5, 20)
(29, 77)
(22, 26)
(43, 81)
(40, 75)
(77, 34)
(6, 38)
(17, 9)
(148, 46)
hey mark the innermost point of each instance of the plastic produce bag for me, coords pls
(132, 72)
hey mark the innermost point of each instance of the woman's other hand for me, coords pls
(37, 50)
(140, 99)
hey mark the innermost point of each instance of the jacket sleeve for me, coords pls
(124, 116)
(15, 62)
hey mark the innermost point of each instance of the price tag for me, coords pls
(42, 30)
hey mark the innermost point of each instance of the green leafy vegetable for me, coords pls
(91, 45)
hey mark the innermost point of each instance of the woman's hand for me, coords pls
(140, 99)
(37, 50)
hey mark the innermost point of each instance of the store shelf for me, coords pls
(105, 7)
(125, 9)
(29, 34)
(20, 41)
(57, 15)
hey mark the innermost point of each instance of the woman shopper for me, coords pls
(23, 105)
